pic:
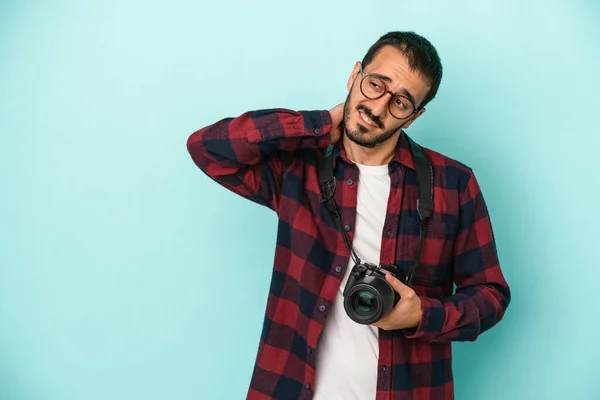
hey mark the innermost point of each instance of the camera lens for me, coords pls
(364, 300)
(369, 299)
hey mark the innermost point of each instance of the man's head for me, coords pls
(400, 63)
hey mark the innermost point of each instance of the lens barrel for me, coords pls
(369, 299)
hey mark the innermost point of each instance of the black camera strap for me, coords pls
(327, 184)
(424, 201)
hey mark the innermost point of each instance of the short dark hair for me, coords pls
(421, 54)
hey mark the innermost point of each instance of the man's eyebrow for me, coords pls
(402, 91)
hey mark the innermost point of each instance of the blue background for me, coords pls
(125, 273)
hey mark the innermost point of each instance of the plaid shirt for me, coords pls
(268, 157)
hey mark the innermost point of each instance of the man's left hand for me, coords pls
(407, 312)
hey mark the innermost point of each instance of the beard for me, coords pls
(361, 135)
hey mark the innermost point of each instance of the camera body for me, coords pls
(368, 297)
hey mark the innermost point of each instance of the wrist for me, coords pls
(416, 316)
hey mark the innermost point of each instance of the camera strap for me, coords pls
(424, 172)
(327, 184)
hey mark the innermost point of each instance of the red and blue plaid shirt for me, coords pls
(269, 157)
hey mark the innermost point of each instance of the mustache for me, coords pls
(369, 114)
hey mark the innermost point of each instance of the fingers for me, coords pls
(397, 285)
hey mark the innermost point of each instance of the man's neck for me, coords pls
(380, 155)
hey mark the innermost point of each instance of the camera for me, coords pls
(367, 295)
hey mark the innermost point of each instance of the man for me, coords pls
(309, 347)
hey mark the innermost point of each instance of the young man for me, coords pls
(310, 348)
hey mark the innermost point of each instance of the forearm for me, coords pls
(482, 293)
(463, 316)
(256, 135)
(243, 154)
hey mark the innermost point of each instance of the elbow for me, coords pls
(197, 150)
(194, 142)
(500, 297)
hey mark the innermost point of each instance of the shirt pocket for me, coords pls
(435, 268)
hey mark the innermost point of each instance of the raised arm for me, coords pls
(243, 154)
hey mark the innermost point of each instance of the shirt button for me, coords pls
(383, 368)
(347, 228)
(307, 385)
(309, 350)
(338, 269)
(322, 308)
(317, 131)
(388, 232)
(350, 181)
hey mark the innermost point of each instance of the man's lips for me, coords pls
(366, 119)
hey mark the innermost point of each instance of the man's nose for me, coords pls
(379, 106)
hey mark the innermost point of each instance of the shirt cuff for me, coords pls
(312, 127)
(318, 122)
(432, 320)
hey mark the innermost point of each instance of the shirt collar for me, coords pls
(402, 154)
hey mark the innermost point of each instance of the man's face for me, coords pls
(369, 122)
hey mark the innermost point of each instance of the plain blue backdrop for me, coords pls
(125, 273)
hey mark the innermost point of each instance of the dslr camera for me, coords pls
(367, 295)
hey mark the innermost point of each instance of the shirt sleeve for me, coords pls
(244, 154)
(482, 294)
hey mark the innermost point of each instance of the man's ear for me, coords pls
(413, 118)
(355, 71)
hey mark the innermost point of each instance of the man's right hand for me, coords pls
(337, 115)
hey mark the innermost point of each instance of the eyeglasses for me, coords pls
(374, 88)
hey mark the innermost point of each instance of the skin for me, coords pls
(366, 144)
(407, 313)
(375, 145)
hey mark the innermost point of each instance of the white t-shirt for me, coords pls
(347, 353)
